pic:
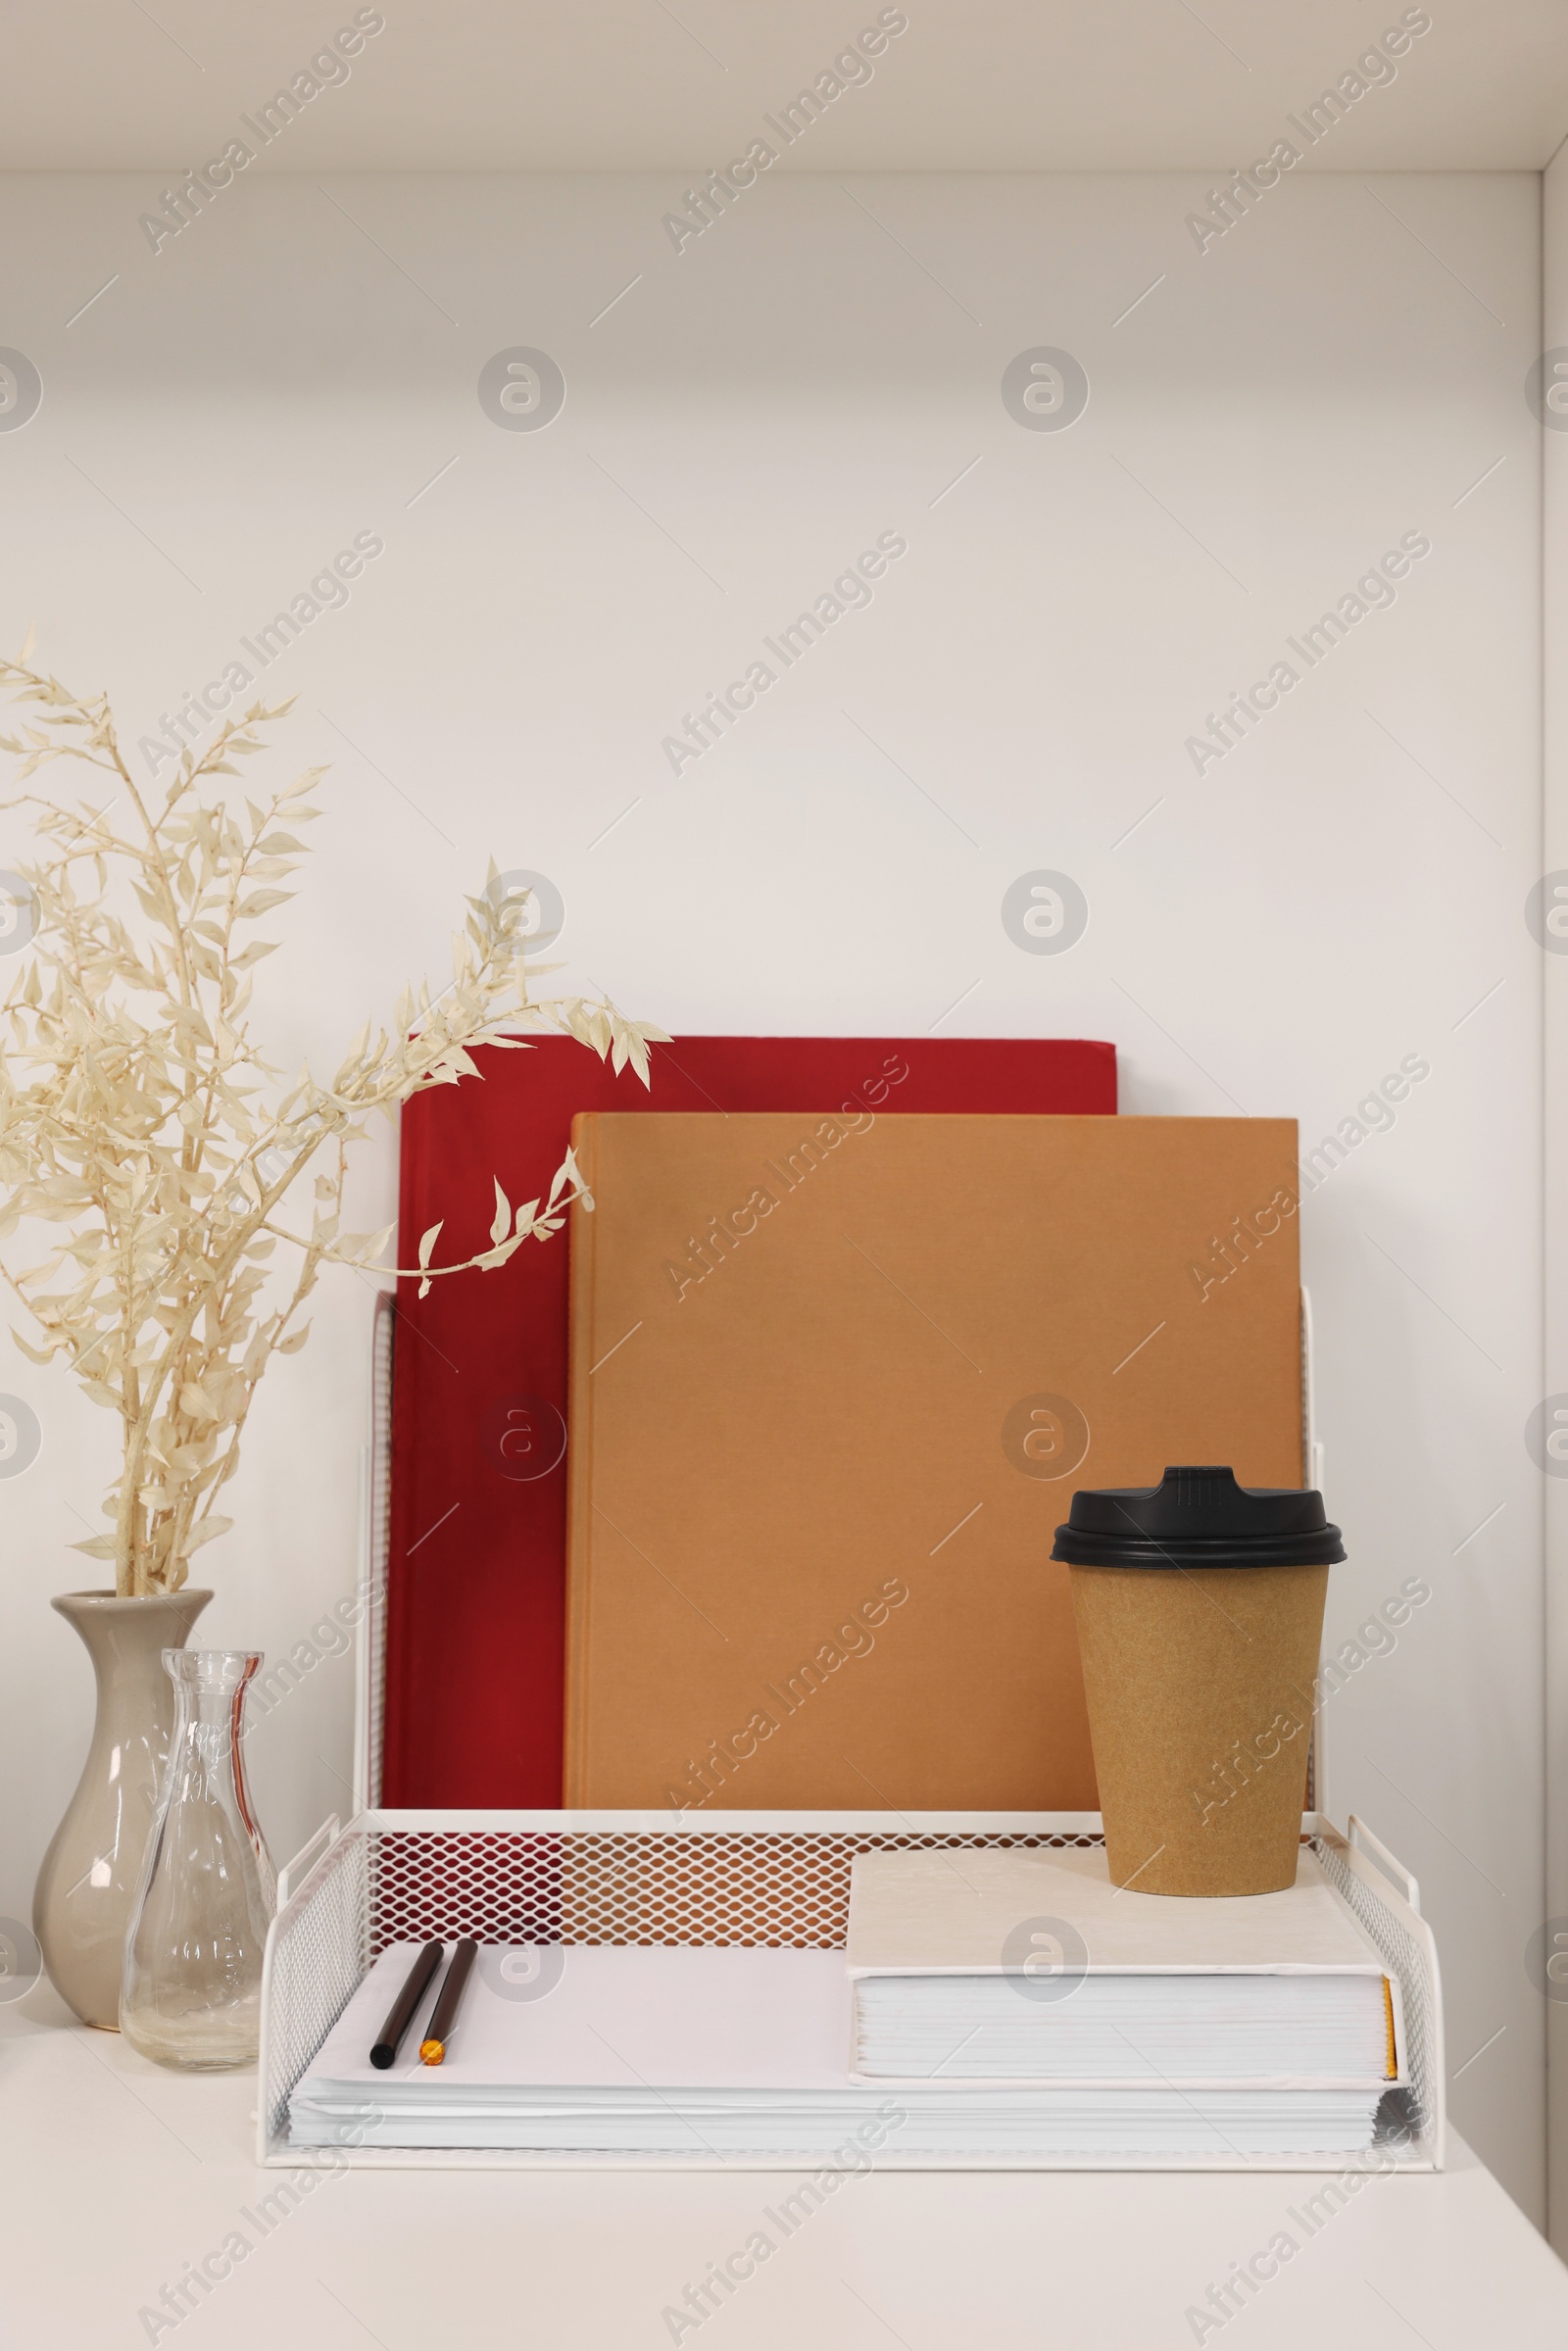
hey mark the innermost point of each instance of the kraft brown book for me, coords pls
(833, 1383)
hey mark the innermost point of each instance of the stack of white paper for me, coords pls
(1196, 2028)
(703, 2052)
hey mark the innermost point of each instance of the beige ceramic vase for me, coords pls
(81, 1905)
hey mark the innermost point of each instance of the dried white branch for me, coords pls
(137, 1115)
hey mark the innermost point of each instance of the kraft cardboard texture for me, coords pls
(1200, 1703)
(832, 1387)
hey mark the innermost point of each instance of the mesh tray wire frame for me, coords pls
(1410, 1954)
(739, 1879)
(375, 1545)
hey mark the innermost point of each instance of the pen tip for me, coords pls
(431, 2053)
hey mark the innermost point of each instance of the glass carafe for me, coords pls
(191, 1992)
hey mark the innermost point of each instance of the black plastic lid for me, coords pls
(1197, 1517)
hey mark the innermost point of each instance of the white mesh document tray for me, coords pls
(739, 1878)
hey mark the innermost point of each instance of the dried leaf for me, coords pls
(500, 1222)
(207, 1532)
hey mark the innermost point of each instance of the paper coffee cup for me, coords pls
(1200, 1612)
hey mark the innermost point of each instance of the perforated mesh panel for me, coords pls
(606, 1886)
(322, 1947)
(378, 1537)
(1407, 1961)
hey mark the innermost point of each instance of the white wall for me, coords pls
(1338, 893)
(1554, 977)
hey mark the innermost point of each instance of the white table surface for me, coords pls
(118, 2175)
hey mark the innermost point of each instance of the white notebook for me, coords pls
(1029, 1966)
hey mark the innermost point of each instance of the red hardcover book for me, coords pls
(477, 1577)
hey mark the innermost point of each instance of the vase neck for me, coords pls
(126, 1636)
(208, 1748)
